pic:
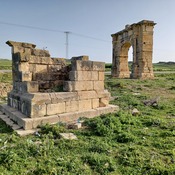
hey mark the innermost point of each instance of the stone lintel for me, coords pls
(21, 44)
(82, 57)
(130, 27)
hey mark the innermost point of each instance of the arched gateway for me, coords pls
(139, 36)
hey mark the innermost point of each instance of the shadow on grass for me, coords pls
(4, 128)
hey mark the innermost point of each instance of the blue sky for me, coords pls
(90, 23)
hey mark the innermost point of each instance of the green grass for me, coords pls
(5, 64)
(114, 144)
(158, 67)
(163, 66)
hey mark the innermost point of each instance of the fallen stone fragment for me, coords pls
(152, 102)
(68, 136)
(75, 126)
(135, 112)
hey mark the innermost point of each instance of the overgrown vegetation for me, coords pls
(113, 144)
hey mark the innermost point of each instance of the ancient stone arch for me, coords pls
(139, 36)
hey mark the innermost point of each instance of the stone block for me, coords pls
(46, 60)
(35, 60)
(107, 109)
(57, 108)
(54, 68)
(27, 51)
(98, 66)
(37, 110)
(40, 98)
(82, 95)
(32, 86)
(95, 75)
(68, 136)
(40, 52)
(26, 76)
(53, 98)
(66, 96)
(95, 103)
(71, 86)
(101, 76)
(83, 58)
(24, 57)
(98, 85)
(41, 76)
(85, 105)
(74, 116)
(23, 66)
(32, 67)
(80, 75)
(26, 86)
(41, 68)
(43, 85)
(79, 65)
(68, 117)
(53, 119)
(72, 106)
(21, 119)
(58, 61)
(25, 107)
(103, 102)
(28, 45)
(75, 126)
(68, 86)
(17, 49)
(22, 132)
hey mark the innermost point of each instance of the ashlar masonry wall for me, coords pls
(36, 74)
(34, 70)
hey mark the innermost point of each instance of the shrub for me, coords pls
(104, 125)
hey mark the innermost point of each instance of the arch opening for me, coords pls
(125, 55)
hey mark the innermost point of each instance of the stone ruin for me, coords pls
(46, 90)
(140, 37)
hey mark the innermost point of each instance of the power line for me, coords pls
(90, 37)
(51, 30)
(31, 27)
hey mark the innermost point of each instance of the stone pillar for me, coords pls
(85, 75)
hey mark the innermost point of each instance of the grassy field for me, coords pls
(158, 67)
(114, 144)
(5, 64)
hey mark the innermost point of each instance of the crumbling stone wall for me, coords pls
(140, 37)
(82, 95)
(34, 70)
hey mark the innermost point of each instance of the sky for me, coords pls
(90, 24)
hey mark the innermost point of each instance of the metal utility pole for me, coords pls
(67, 43)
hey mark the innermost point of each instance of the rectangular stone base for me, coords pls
(31, 123)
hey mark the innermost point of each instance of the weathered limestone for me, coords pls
(37, 67)
(33, 101)
(140, 37)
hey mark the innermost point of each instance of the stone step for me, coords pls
(24, 125)
(18, 129)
